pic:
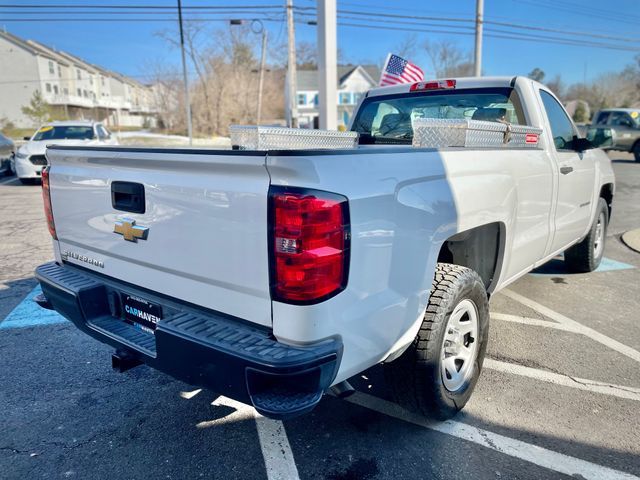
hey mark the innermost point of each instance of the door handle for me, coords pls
(128, 196)
(566, 170)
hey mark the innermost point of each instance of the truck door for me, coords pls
(626, 131)
(576, 176)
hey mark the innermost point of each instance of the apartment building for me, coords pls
(73, 88)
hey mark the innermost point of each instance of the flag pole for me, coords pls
(384, 68)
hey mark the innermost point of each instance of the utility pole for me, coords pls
(184, 74)
(257, 27)
(327, 64)
(291, 74)
(478, 52)
(261, 81)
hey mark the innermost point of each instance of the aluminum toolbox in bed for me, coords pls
(453, 132)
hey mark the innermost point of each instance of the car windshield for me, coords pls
(388, 119)
(60, 132)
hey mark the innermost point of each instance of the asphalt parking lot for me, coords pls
(559, 395)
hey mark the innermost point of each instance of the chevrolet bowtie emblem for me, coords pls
(130, 231)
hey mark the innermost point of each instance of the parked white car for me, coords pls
(274, 271)
(30, 157)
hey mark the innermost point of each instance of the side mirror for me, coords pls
(580, 144)
(601, 137)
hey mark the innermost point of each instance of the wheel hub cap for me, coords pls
(459, 347)
(598, 243)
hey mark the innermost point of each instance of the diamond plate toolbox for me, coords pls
(454, 132)
(281, 138)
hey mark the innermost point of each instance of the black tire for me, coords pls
(584, 257)
(27, 181)
(636, 151)
(415, 378)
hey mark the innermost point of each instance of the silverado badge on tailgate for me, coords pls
(130, 231)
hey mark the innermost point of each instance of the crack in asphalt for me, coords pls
(533, 364)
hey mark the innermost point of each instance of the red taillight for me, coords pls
(309, 244)
(434, 85)
(46, 197)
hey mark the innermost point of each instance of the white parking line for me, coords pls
(629, 393)
(276, 451)
(8, 180)
(532, 321)
(278, 457)
(578, 327)
(557, 462)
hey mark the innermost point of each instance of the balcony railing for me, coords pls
(113, 103)
(72, 100)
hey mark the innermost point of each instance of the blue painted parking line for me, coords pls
(28, 314)
(557, 267)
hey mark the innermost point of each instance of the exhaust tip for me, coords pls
(343, 389)
(43, 301)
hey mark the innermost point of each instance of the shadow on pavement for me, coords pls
(13, 292)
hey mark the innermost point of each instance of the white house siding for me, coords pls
(74, 88)
(17, 82)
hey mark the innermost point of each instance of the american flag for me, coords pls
(398, 70)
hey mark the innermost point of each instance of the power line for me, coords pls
(446, 25)
(579, 11)
(506, 35)
(138, 7)
(565, 32)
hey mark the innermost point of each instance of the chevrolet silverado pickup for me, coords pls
(272, 275)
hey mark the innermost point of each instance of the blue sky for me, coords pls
(128, 47)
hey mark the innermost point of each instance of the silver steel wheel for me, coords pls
(459, 347)
(598, 243)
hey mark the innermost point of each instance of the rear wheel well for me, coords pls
(606, 192)
(480, 249)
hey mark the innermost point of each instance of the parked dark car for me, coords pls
(625, 123)
(7, 150)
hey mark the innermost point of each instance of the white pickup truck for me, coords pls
(271, 276)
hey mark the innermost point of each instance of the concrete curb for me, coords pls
(632, 239)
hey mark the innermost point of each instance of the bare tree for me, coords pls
(448, 60)
(407, 47)
(225, 90)
(536, 74)
(166, 82)
(557, 86)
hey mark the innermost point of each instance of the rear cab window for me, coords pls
(388, 119)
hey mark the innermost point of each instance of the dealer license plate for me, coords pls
(141, 313)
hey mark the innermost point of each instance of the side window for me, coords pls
(561, 127)
(621, 119)
(602, 118)
(102, 132)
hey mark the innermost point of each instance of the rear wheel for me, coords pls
(436, 375)
(28, 181)
(587, 255)
(636, 151)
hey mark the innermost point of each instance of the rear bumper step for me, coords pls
(200, 347)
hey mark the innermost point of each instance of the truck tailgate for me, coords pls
(206, 215)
